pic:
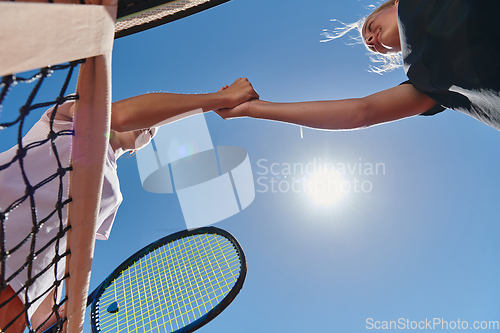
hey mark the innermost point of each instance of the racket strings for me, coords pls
(172, 286)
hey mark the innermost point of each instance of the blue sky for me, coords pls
(421, 244)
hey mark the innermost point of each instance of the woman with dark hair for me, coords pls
(134, 122)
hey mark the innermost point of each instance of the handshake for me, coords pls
(235, 99)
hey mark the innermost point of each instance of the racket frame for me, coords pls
(207, 317)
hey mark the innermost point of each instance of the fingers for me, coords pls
(244, 83)
(240, 91)
(226, 113)
(240, 110)
(221, 112)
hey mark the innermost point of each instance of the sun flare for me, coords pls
(325, 188)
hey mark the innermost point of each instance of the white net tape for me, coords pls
(157, 13)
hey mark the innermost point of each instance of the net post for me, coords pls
(92, 122)
(92, 111)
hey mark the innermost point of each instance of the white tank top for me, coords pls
(39, 164)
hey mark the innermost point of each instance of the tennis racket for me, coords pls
(176, 284)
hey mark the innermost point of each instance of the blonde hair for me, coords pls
(385, 62)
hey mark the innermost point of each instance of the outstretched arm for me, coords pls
(148, 110)
(388, 105)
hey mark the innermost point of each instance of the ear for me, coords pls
(396, 2)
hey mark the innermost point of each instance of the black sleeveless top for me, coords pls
(451, 52)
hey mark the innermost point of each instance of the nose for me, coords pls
(369, 39)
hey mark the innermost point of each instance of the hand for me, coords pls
(241, 110)
(239, 92)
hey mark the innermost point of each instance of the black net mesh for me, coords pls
(14, 121)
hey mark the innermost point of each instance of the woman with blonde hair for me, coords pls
(450, 52)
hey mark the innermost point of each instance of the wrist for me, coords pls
(214, 101)
(254, 109)
(223, 100)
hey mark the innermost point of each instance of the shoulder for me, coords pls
(395, 103)
(437, 108)
(64, 112)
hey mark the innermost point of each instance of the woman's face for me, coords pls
(381, 32)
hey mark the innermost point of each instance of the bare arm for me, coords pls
(388, 105)
(147, 110)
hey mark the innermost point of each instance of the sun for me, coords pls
(325, 188)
